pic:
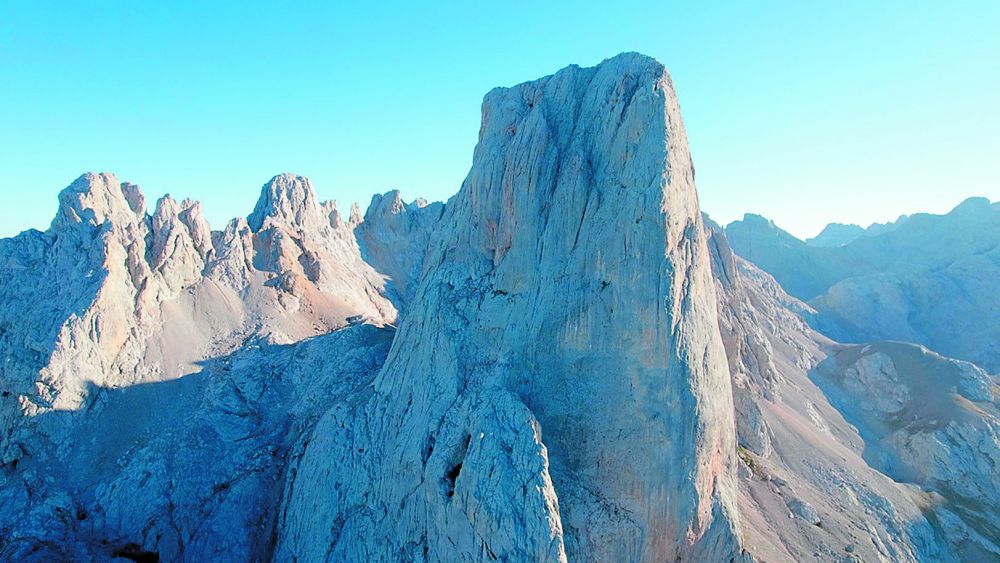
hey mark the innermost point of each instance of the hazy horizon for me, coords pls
(218, 222)
(806, 115)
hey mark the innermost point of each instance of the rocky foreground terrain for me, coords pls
(566, 361)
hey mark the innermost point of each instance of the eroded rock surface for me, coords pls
(831, 436)
(189, 469)
(930, 421)
(584, 369)
(122, 426)
(503, 424)
(394, 238)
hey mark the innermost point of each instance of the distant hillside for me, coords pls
(929, 279)
(839, 234)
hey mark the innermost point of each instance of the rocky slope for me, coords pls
(930, 421)
(583, 369)
(184, 470)
(101, 316)
(823, 477)
(929, 279)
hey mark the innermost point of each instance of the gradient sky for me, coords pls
(805, 112)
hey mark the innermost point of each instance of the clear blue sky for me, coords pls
(806, 112)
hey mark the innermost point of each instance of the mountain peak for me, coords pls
(356, 217)
(632, 61)
(95, 198)
(579, 204)
(389, 202)
(972, 205)
(836, 234)
(756, 219)
(287, 200)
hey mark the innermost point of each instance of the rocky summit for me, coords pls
(566, 361)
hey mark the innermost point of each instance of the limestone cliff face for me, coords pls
(112, 298)
(88, 290)
(583, 370)
(308, 253)
(559, 387)
(101, 291)
(394, 238)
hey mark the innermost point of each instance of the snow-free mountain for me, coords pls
(928, 279)
(565, 362)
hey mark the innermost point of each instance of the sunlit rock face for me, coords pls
(111, 296)
(583, 369)
(81, 300)
(113, 312)
(931, 421)
(505, 423)
(880, 452)
(308, 253)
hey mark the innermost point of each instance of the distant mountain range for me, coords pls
(930, 279)
(839, 234)
(564, 362)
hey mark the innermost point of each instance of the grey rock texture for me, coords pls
(189, 469)
(577, 226)
(121, 423)
(930, 421)
(583, 369)
(860, 446)
(309, 253)
(102, 283)
(394, 238)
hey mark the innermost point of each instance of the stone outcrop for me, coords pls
(930, 421)
(394, 238)
(111, 307)
(892, 431)
(584, 369)
(503, 425)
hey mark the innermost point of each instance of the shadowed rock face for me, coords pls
(503, 423)
(110, 298)
(579, 361)
(394, 236)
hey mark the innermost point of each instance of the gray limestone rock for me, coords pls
(577, 227)
(584, 368)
